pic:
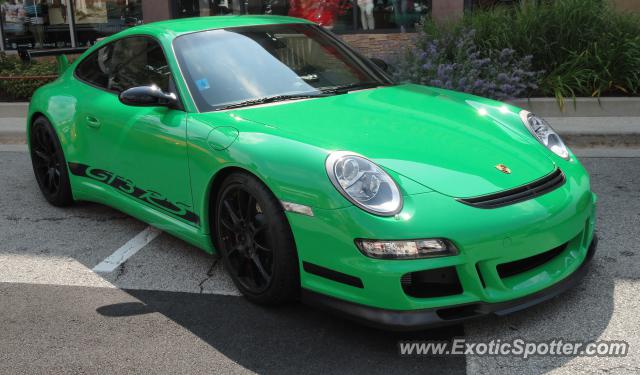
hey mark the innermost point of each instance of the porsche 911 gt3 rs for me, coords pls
(313, 175)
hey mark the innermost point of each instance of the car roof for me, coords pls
(177, 27)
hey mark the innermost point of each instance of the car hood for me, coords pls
(449, 142)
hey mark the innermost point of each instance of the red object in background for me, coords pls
(322, 12)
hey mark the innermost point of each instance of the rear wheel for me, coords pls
(49, 164)
(255, 241)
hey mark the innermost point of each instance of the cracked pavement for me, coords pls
(172, 308)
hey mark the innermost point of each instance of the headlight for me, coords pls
(545, 134)
(364, 183)
(414, 249)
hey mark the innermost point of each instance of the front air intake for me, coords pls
(519, 194)
(523, 265)
(439, 282)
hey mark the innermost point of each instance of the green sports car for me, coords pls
(313, 175)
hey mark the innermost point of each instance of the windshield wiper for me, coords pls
(269, 99)
(343, 89)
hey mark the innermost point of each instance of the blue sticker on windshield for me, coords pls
(203, 84)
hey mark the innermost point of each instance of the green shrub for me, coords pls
(453, 61)
(584, 47)
(12, 84)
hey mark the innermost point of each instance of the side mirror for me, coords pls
(380, 63)
(147, 96)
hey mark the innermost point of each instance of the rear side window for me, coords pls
(95, 68)
(126, 63)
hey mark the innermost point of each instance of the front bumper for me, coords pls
(486, 239)
(400, 320)
(551, 233)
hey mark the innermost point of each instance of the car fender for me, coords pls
(293, 171)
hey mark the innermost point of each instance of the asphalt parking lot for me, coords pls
(171, 308)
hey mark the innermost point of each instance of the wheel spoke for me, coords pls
(42, 156)
(43, 140)
(257, 225)
(38, 138)
(56, 179)
(226, 224)
(251, 201)
(49, 143)
(45, 179)
(258, 264)
(233, 250)
(50, 179)
(260, 247)
(232, 214)
(256, 229)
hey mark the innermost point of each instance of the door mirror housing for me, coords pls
(380, 63)
(148, 96)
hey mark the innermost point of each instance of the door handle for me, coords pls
(93, 122)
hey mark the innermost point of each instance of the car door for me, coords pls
(141, 150)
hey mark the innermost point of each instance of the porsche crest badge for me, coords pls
(503, 168)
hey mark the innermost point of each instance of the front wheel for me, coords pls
(49, 164)
(255, 241)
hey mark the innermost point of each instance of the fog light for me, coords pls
(412, 249)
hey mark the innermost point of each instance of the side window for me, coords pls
(95, 68)
(138, 61)
(126, 63)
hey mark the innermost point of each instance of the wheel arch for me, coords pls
(31, 119)
(214, 187)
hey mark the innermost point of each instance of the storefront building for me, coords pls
(377, 27)
(51, 24)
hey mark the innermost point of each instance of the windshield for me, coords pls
(235, 67)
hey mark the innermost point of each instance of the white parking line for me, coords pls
(127, 250)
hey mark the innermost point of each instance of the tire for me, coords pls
(49, 163)
(255, 241)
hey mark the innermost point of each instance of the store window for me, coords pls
(342, 16)
(96, 19)
(35, 24)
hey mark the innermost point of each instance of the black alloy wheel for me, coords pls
(242, 228)
(49, 164)
(255, 240)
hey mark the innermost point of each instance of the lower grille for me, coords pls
(439, 282)
(523, 265)
(519, 194)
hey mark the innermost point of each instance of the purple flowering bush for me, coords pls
(453, 61)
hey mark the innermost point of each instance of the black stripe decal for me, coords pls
(330, 274)
(127, 187)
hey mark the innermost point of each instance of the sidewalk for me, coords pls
(12, 122)
(577, 131)
(12, 130)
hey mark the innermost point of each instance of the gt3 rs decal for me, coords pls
(128, 187)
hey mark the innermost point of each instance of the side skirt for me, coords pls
(85, 190)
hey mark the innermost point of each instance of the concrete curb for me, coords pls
(600, 128)
(598, 131)
(13, 109)
(582, 107)
(546, 107)
(12, 130)
(599, 140)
